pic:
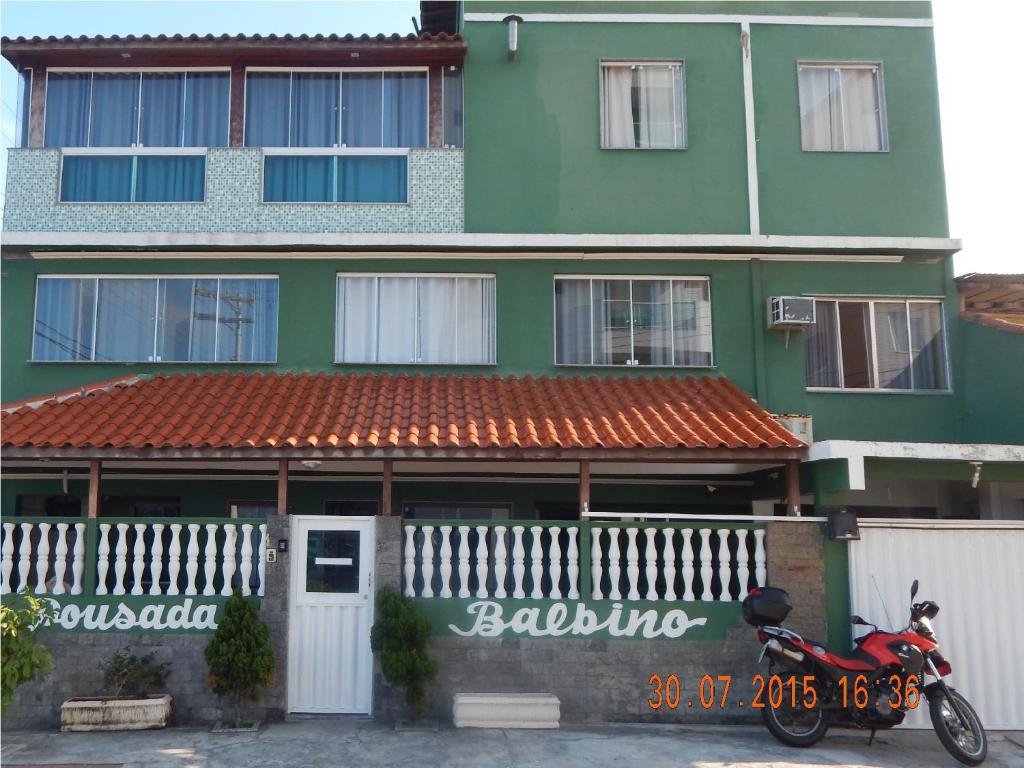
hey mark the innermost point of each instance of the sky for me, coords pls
(976, 49)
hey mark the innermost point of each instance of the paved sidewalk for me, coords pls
(337, 742)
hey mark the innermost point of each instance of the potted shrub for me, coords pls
(24, 658)
(133, 701)
(240, 658)
(399, 638)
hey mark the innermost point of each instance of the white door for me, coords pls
(976, 575)
(330, 666)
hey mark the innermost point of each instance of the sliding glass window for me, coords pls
(415, 319)
(335, 178)
(336, 109)
(877, 344)
(633, 321)
(146, 319)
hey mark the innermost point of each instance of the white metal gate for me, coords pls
(975, 572)
(330, 666)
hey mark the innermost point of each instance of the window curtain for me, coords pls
(396, 320)
(892, 345)
(174, 319)
(373, 179)
(203, 338)
(24, 106)
(267, 96)
(206, 109)
(170, 178)
(362, 109)
(815, 108)
(855, 332)
(357, 303)
(453, 106)
(96, 179)
(438, 317)
(618, 108)
(572, 322)
(247, 320)
(125, 320)
(657, 125)
(67, 109)
(299, 179)
(163, 96)
(405, 109)
(612, 322)
(862, 129)
(314, 109)
(115, 110)
(691, 318)
(475, 331)
(64, 319)
(652, 327)
(928, 346)
(822, 364)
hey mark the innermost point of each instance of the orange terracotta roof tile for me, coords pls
(366, 411)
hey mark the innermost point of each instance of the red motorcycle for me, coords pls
(809, 688)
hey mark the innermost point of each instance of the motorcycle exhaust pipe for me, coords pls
(776, 647)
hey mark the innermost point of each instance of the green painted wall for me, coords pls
(534, 162)
(993, 364)
(757, 360)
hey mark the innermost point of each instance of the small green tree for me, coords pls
(24, 658)
(130, 675)
(399, 636)
(239, 656)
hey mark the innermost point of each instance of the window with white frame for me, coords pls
(643, 105)
(415, 319)
(885, 344)
(156, 319)
(842, 107)
(633, 321)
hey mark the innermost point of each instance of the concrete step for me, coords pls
(506, 710)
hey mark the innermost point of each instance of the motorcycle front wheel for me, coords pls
(958, 726)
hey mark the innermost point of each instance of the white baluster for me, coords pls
(121, 558)
(25, 555)
(174, 559)
(706, 571)
(500, 561)
(614, 567)
(446, 561)
(760, 571)
(210, 559)
(742, 572)
(228, 566)
(192, 560)
(668, 563)
(555, 562)
(427, 565)
(481, 561)
(60, 559)
(410, 560)
(573, 563)
(102, 559)
(42, 558)
(596, 571)
(651, 564)
(246, 567)
(78, 560)
(724, 568)
(156, 559)
(688, 564)
(632, 564)
(8, 559)
(518, 566)
(261, 554)
(138, 558)
(536, 562)
(463, 561)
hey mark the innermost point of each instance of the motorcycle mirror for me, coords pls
(858, 621)
(913, 590)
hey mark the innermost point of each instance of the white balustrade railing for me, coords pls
(625, 562)
(139, 558)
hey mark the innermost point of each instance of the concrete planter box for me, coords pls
(128, 714)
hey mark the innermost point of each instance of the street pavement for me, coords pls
(339, 741)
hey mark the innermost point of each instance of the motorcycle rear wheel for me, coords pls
(968, 744)
(797, 727)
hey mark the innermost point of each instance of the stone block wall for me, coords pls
(796, 563)
(234, 201)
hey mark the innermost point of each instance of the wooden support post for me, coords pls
(584, 485)
(385, 495)
(793, 488)
(94, 488)
(282, 487)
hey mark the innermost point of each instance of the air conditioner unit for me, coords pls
(790, 312)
